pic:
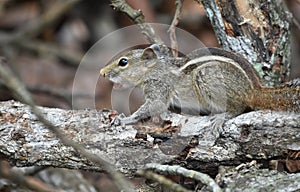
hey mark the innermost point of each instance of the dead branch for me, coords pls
(19, 90)
(171, 30)
(73, 58)
(137, 17)
(162, 180)
(177, 170)
(22, 37)
(259, 135)
(22, 180)
(57, 10)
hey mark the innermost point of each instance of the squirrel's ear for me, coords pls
(149, 52)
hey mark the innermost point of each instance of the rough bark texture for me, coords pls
(253, 179)
(260, 135)
(257, 29)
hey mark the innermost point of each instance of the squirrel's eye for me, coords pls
(123, 62)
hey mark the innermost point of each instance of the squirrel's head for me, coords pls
(131, 67)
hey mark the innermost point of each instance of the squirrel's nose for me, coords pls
(102, 72)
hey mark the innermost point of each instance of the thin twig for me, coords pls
(22, 180)
(54, 92)
(22, 35)
(72, 58)
(58, 9)
(177, 170)
(175, 21)
(137, 17)
(19, 90)
(162, 180)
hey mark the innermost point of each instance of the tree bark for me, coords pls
(260, 135)
(257, 29)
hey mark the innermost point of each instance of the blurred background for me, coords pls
(44, 42)
(46, 56)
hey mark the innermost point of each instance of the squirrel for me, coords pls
(208, 80)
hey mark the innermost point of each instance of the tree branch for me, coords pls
(22, 37)
(171, 30)
(138, 18)
(19, 90)
(32, 29)
(260, 135)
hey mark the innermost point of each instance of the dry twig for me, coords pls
(162, 180)
(174, 44)
(18, 88)
(57, 10)
(23, 36)
(177, 170)
(23, 180)
(137, 17)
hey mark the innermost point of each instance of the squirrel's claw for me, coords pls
(123, 120)
(117, 120)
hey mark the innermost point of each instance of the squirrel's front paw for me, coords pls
(117, 120)
(123, 120)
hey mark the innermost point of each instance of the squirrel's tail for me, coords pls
(278, 99)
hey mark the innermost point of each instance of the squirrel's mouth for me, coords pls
(120, 84)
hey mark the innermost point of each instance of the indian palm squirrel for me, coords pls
(209, 80)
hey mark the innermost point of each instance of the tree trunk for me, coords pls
(259, 30)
